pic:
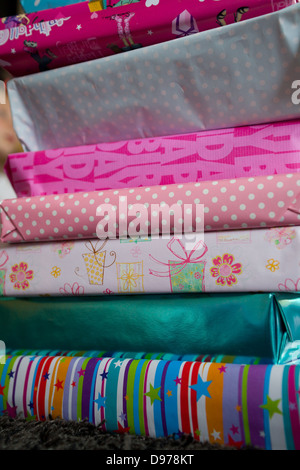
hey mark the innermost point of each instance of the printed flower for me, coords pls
(290, 285)
(107, 291)
(272, 265)
(224, 270)
(21, 276)
(56, 271)
(130, 279)
(75, 289)
(135, 252)
(197, 275)
(181, 286)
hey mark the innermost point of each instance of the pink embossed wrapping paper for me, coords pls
(255, 202)
(61, 36)
(208, 155)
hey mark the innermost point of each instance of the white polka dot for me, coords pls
(20, 208)
(224, 208)
(47, 205)
(188, 193)
(154, 196)
(28, 232)
(180, 186)
(130, 190)
(42, 231)
(62, 221)
(48, 222)
(61, 204)
(197, 201)
(242, 188)
(232, 198)
(92, 201)
(215, 218)
(147, 189)
(281, 204)
(54, 213)
(242, 207)
(214, 199)
(83, 210)
(252, 216)
(223, 189)
(272, 215)
(26, 215)
(71, 196)
(91, 219)
(56, 198)
(85, 228)
(270, 195)
(261, 205)
(206, 209)
(215, 183)
(138, 197)
(34, 223)
(40, 214)
(233, 217)
(76, 220)
(260, 186)
(55, 230)
(279, 184)
(171, 194)
(70, 229)
(205, 191)
(290, 193)
(69, 212)
(20, 224)
(251, 196)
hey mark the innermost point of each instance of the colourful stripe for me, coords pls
(291, 402)
(132, 396)
(245, 406)
(255, 395)
(230, 404)
(265, 412)
(184, 402)
(214, 403)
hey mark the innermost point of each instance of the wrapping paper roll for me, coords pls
(222, 403)
(80, 32)
(262, 201)
(201, 156)
(265, 325)
(232, 261)
(242, 74)
(220, 358)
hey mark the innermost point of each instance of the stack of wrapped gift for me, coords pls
(148, 267)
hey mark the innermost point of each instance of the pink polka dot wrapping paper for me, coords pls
(76, 33)
(224, 154)
(209, 80)
(263, 201)
(255, 260)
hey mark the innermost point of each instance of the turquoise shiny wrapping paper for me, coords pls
(262, 325)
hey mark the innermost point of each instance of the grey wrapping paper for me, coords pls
(237, 75)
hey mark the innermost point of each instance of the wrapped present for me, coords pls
(225, 261)
(200, 156)
(262, 201)
(95, 262)
(182, 98)
(266, 326)
(229, 404)
(130, 277)
(79, 32)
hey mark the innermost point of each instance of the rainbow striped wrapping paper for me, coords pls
(230, 404)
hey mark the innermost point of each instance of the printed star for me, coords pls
(201, 388)
(216, 434)
(30, 418)
(234, 429)
(177, 381)
(126, 397)
(121, 429)
(81, 372)
(222, 369)
(169, 393)
(2, 387)
(100, 401)
(292, 406)
(46, 375)
(58, 384)
(198, 432)
(238, 408)
(271, 406)
(234, 443)
(104, 375)
(122, 416)
(150, 32)
(11, 374)
(11, 410)
(262, 434)
(13, 51)
(153, 394)
(73, 384)
(79, 27)
(30, 405)
(118, 363)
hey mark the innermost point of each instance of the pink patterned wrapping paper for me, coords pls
(207, 155)
(255, 202)
(76, 33)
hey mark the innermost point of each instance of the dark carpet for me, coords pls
(20, 434)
